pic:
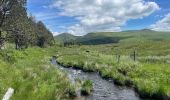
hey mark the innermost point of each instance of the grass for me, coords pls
(87, 87)
(153, 79)
(149, 79)
(29, 71)
(146, 42)
(32, 76)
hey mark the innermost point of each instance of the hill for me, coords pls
(116, 37)
(65, 37)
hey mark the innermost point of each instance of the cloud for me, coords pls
(45, 16)
(162, 25)
(103, 15)
(56, 33)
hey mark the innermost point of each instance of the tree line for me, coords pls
(19, 28)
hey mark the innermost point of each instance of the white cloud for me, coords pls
(162, 25)
(56, 33)
(45, 16)
(103, 15)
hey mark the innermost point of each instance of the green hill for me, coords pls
(65, 37)
(116, 37)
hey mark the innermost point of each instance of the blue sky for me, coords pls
(80, 17)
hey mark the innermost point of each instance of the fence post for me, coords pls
(118, 58)
(134, 55)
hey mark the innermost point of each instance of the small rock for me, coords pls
(8, 94)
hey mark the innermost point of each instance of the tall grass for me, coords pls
(87, 87)
(32, 76)
(149, 79)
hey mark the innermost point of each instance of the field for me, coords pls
(32, 76)
(140, 61)
(148, 74)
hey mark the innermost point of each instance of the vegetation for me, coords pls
(148, 74)
(19, 28)
(139, 59)
(28, 70)
(87, 87)
(32, 76)
(124, 40)
(65, 37)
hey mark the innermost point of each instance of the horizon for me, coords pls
(109, 32)
(83, 17)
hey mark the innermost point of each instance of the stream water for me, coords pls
(103, 89)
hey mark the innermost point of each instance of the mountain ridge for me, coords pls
(115, 37)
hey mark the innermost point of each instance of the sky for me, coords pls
(79, 17)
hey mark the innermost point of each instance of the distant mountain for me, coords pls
(142, 30)
(98, 38)
(115, 37)
(65, 37)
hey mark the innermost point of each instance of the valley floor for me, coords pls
(149, 75)
(33, 77)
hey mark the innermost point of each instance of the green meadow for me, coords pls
(148, 74)
(100, 63)
(30, 73)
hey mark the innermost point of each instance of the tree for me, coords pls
(19, 20)
(5, 8)
(21, 29)
(44, 35)
(41, 41)
(19, 39)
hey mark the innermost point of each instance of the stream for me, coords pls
(103, 89)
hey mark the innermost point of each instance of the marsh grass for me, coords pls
(32, 76)
(155, 59)
(87, 87)
(148, 78)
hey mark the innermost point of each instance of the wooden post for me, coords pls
(134, 55)
(118, 58)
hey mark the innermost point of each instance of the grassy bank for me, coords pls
(87, 87)
(32, 76)
(150, 79)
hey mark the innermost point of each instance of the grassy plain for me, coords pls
(149, 74)
(32, 76)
